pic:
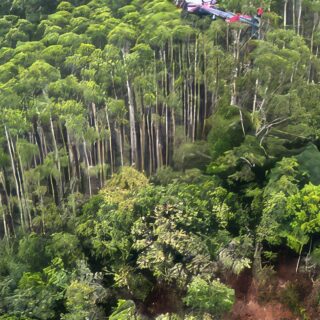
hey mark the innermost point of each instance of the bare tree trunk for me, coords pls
(42, 214)
(24, 193)
(57, 161)
(285, 14)
(194, 105)
(167, 135)
(110, 142)
(103, 160)
(3, 182)
(299, 17)
(165, 86)
(3, 213)
(132, 121)
(15, 180)
(299, 259)
(234, 93)
(121, 145)
(173, 127)
(156, 121)
(71, 158)
(88, 164)
(158, 145)
(98, 146)
(65, 145)
(44, 142)
(315, 24)
(294, 14)
(150, 142)
(205, 90)
(255, 97)
(257, 266)
(142, 141)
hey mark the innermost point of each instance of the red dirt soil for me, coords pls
(252, 310)
(248, 307)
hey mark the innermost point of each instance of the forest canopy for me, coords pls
(148, 158)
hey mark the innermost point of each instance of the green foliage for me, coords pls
(236, 256)
(64, 246)
(303, 211)
(33, 296)
(125, 310)
(226, 131)
(78, 300)
(308, 161)
(291, 297)
(92, 93)
(192, 155)
(212, 297)
(267, 284)
(32, 251)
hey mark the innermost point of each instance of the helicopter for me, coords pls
(210, 8)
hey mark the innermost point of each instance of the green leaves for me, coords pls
(237, 255)
(303, 209)
(211, 297)
(125, 311)
(123, 36)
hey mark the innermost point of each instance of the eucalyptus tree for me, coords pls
(93, 98)
(71, 114)
(14, 124)
(116, 114)
(54, 55)
(278, 66)
(5, 201)
(141, 64)
(123, 36)
(158, 23)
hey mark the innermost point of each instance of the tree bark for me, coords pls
(22, 218)
(132, 121)
(88, 164)
(57, 161)
(285, 14)
(110, 142)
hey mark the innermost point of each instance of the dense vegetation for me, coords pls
(147, 158)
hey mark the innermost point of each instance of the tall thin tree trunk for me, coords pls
(166, 108)
(65, 145)
(143, 141)
(285, 14)
(150, 142)
(110, 142)
(299, 17)
(156, 121)
(24, 189)
(299, 259)
(23, 223)
(71, 158)
(98, 145)
(57, 161)
(3, 212)
(121, 145)
(3, 182)
(205, 90)
(315, 24)
(294, 14)
(88, 164)
(255, 97)
(132, 121)
(194, 104)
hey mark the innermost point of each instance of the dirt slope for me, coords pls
(254, 302)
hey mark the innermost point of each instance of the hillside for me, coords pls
(155, 164)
